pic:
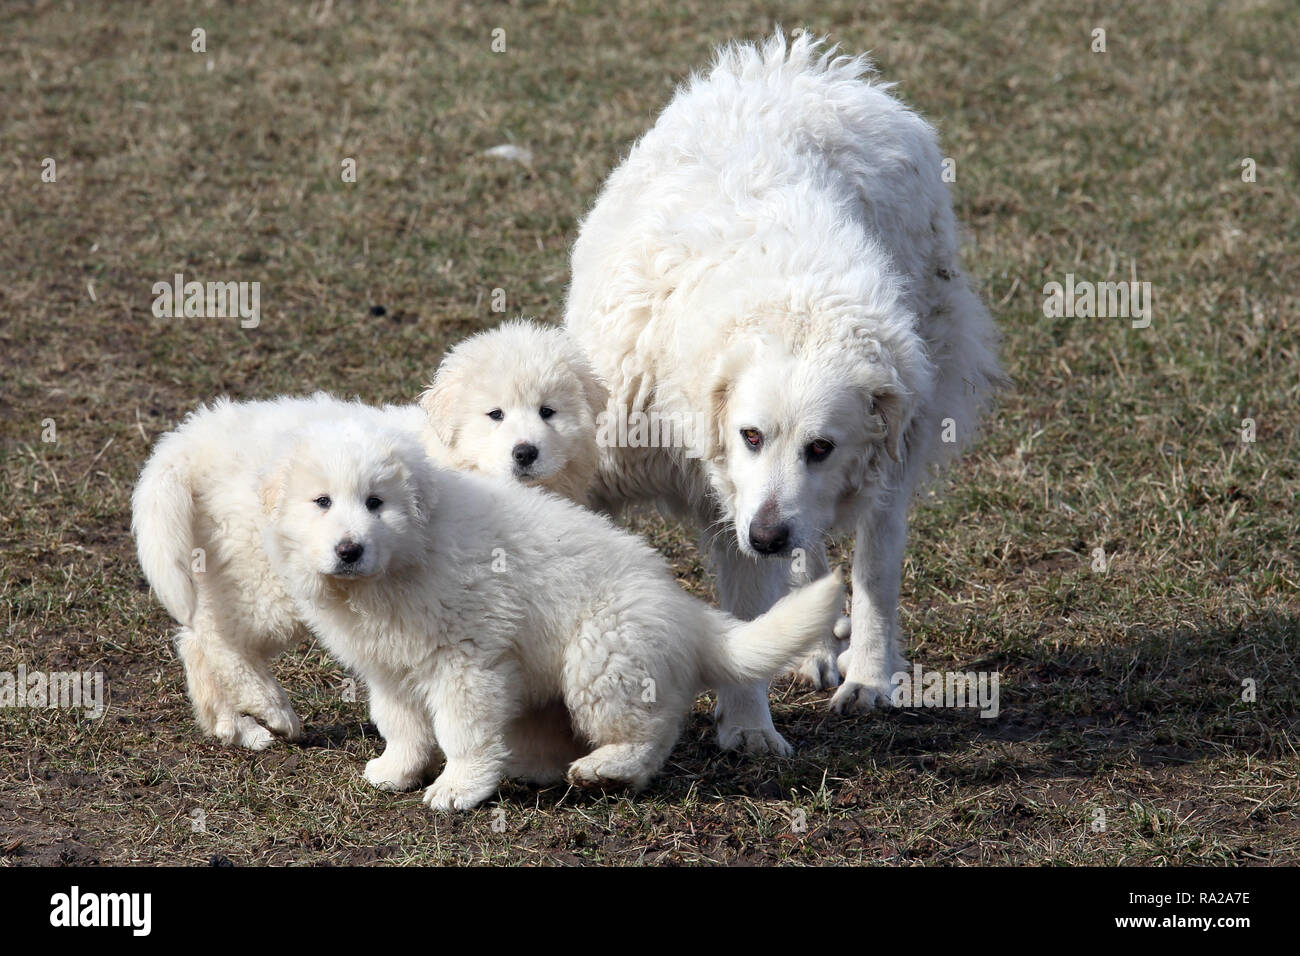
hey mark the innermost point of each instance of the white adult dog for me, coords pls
(198, 522)
(468, 605)
(779, 255)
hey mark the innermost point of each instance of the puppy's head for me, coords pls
(520, 402)
(797, 434)
(348, 503)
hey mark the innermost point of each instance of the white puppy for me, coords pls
(519, 402)
(468, 605)
(198, 524)
(778, 256)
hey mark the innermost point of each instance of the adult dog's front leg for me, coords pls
(746, 588)
(819, 669)
(873, 657)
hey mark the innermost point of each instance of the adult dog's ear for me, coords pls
(725, 372)
(891, 372)
(439, 404)
(719, 395)
(890, 406)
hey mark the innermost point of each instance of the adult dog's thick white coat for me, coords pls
(477, 609)
(778, 253)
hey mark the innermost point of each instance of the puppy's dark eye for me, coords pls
(373, 503)
(753, 437)
(496, 414)
(818, 450)
(323, 502)
(546, 411)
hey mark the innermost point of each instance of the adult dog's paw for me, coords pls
(818, 669)
(865, 687)
(856, 698)
(390, 775)
(753, 740)
(445, 795)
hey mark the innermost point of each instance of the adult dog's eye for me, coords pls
(818, 449)
(496, 414)
(546, 411)
(753, 437)
(323, 502)
(373, 503)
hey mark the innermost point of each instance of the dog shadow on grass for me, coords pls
(1150, 699)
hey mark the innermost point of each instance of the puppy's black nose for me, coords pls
(349, 552)
(769, 538)
(525, 454)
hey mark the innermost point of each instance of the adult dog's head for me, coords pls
(520, 402)
(346, 502)
(799, 430)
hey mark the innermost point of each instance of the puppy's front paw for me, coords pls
(446, 794)
(387, 774)
(242, 731)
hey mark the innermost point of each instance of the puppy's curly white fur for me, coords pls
(474, 609)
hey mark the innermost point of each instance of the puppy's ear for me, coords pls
(438, 402)
(594, 392)
(419, 477)
(271, 491)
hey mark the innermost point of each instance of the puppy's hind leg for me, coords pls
(620, 765)
(212, 700)
(231, 690)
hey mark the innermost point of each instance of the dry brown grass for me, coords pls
(1120, 690)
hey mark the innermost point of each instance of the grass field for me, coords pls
(1123, 735)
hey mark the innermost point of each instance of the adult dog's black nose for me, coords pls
(525, 454)
(769, 538)
(349, 552)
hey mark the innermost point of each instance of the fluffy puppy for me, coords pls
(519, 402)
(198, 522)
(468, 604)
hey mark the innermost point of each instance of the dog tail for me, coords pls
(162, 520)
(761, 648)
